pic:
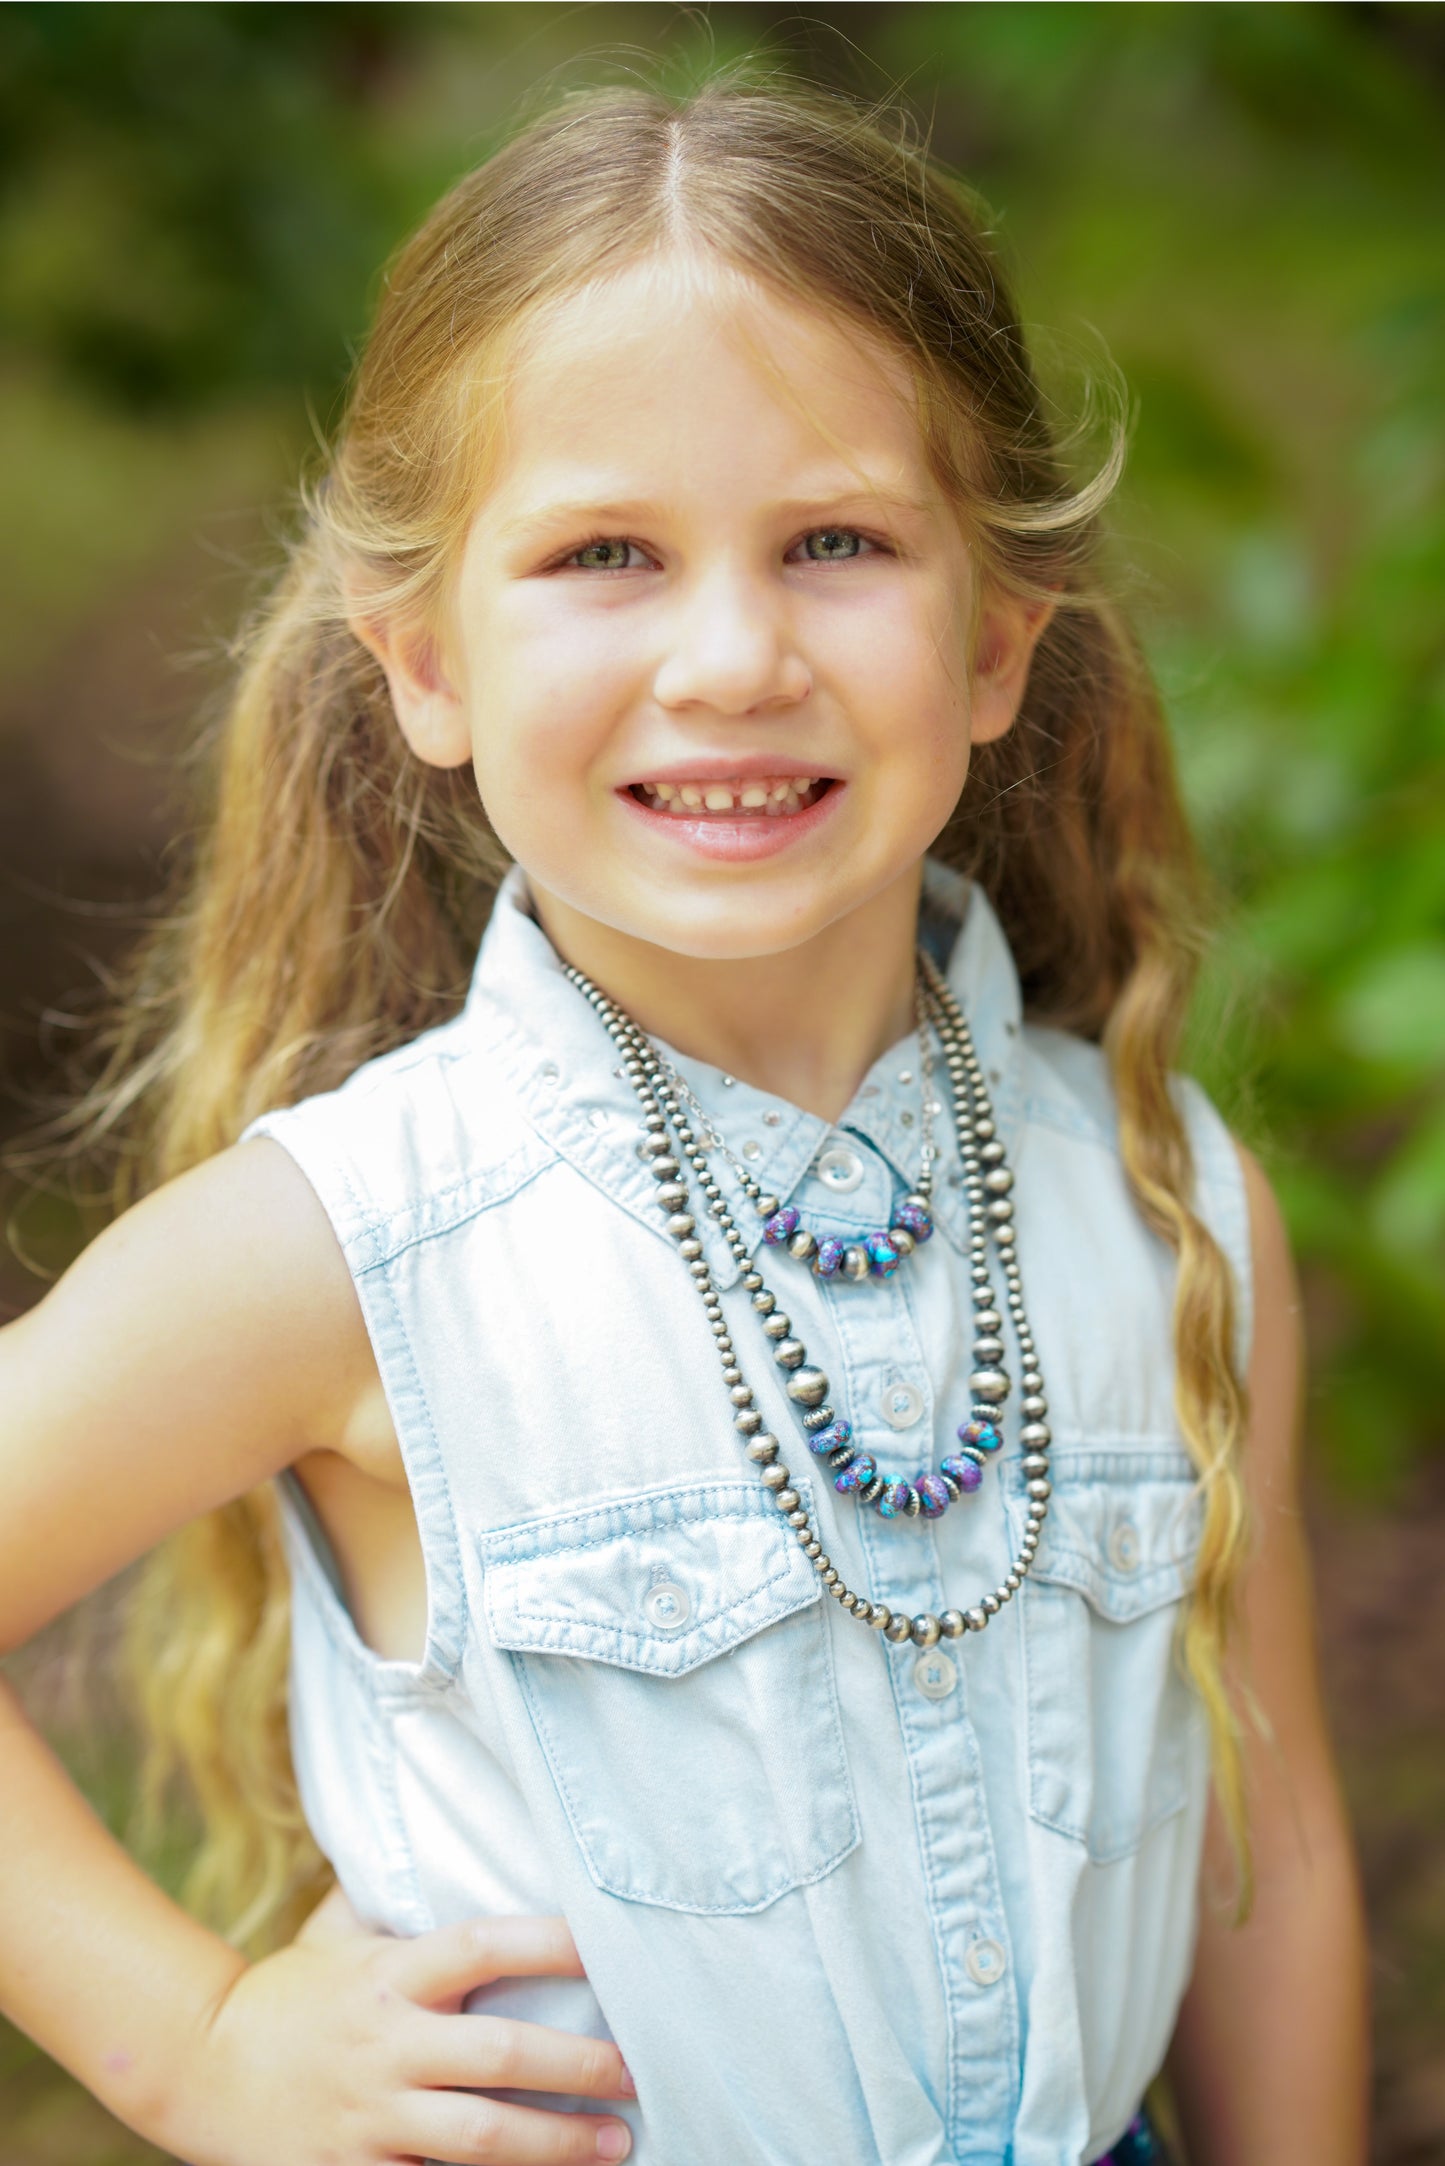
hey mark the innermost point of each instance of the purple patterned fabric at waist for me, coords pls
(1140, 2145)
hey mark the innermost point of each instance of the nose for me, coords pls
(731, 648)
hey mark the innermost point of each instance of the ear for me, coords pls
(429, 711)
(1009, 628)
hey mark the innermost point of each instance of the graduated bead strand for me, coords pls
(990, 1208)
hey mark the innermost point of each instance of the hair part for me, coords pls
(336, 904)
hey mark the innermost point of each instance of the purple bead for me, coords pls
(883, 1257)
(829, 1260)
(966, 1472)
(931, 1495)
(914, 1219)
(858, 1475)
(823, 1441)
(986, 1435)
(781, 1224)
(894, 1499)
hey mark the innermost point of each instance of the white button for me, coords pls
(935, 1674)
(985, 1960)
(598, 1117)
(549, 1071)
(1124, 1545)
(839, 1168)
(902, 1405)
(666, 1606)
(772, 1117)
(752, 1149)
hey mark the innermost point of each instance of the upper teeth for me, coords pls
(765, 793)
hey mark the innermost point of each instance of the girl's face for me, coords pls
(712, 672)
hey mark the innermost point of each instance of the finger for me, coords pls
(452, 1958)
(483, 2131)
(500, 2053)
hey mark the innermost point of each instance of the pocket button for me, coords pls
(985, 1961)
(1124, 1546)
(666, 1606)
(935, 1675)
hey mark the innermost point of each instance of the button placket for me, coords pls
(962, 1883)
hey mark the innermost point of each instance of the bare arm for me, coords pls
(208, 1338)
(1270, 2059)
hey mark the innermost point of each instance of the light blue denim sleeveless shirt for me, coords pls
(835, 1900)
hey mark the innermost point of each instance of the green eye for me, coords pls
(617, 550)
(838, 542)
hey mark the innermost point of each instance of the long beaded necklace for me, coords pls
(990, 1209)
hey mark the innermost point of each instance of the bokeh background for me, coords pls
(1242, 206)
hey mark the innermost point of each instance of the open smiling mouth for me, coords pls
(761, 797)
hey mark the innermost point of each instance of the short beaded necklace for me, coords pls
(875, 1258)
(986, 1180)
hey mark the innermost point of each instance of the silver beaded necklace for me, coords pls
(987, 1181)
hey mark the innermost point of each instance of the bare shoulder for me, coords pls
(1277, 1353)
(208, 1337)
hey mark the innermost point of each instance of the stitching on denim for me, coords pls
(624, 1638)
(546, 1737)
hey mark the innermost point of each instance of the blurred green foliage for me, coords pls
(1239, 204)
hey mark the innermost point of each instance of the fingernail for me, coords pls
(613, 2142)
(627, 2082)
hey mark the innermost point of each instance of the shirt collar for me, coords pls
(565, 1070)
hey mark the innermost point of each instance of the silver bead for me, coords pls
(775, 1476)
(998, 1180)
(664, 1168)
(989, 1604)
(878, 1615)
(902, 1240)
(690, 1247)
(798, 1518)
(1033, 1463)
(681, 1222)
(762, 1449)
(975, 1619)
(855, 1262)
(741, 1395)
(807, 1387)
(951, 1624)
(1041, 1488)
(926, 1630)
(802, 1244)
(989, 1384)
(1035, 1406)
(1035, 1435)
(897, 1630)
(786, 1499)
(987, 1350)
(672, 1195)
(791, 1354)
(766, 1206)
(748, 1422)
(777, 1326)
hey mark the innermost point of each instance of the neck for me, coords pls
(805, 1025)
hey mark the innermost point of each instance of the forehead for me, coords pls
(678, 367)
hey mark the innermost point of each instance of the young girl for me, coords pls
(678, 1284)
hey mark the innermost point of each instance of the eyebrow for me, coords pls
(592, 511)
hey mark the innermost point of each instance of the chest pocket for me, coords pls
(673, 1652)
(1111, 1719)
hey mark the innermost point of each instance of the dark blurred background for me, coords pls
(1240, 204)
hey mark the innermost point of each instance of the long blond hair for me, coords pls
(336, 903)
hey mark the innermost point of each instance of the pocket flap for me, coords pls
(660, 1581)
(1122, 1529)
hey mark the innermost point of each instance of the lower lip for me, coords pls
(738, 841)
